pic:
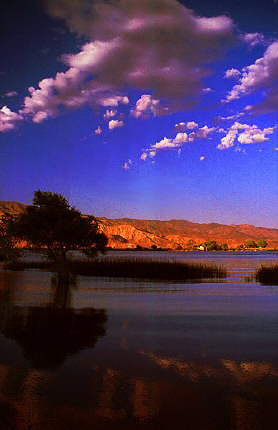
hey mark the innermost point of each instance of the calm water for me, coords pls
(116, 354)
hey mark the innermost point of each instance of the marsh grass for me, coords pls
(267, 275)
(138, 268)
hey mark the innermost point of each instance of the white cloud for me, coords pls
(113, 100)
(98, 130)
(201, 133)
(228, 140)
(230, 117)
(126, 165)
(165, 144)
(191, 125)
(8, 119)
(260, 76)
(40, 116)
(144, 156)
(249, 135)
(109, 113)
(202, 158)
(232, 73)
(253, 39)
(182, 126)
(114, 123)
(207, 90)
(146, 106)
(254, 135)
(11, 94)
(181, 138)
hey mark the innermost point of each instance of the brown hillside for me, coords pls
(128, 233)
(175, 234)
(11, 207)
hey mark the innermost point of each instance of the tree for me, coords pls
(211, 246)
(190, 245)
(52, 226)
(9, 250)
(224, 247)
(250, 244)
(262, 243)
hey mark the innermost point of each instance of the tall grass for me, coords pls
(138, 268)
(267, 275)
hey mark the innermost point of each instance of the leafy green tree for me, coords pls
(250, 244)
(211, 246)
(191, 244)
(53, 227)
(262, 243)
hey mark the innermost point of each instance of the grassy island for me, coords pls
(267, 275)
(138, 268)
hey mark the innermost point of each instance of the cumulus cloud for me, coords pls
(201, 133)
(254, 135)
(182, 126)
(8, 119)
(245, 134)
(202, 158)
(164, 144)
(98, 130)
(260, 76)
(115, 123)
(232, 73)
(109, 113)
(145, 107)
(228, 140)
(144, 156)
(141, 44)
(180, 139)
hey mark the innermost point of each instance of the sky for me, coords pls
(154, 109)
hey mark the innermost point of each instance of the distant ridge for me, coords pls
(174, 234)
(11, 207)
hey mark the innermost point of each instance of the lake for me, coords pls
(123, 354)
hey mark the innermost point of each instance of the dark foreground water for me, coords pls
(115, 354)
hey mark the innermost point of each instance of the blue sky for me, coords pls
(153, 109)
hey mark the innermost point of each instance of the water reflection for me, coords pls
(115, 400)
(48, 335)
(148, 373)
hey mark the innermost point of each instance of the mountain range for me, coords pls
(173, 234)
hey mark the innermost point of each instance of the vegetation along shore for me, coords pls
(267, 275)
(138, 268)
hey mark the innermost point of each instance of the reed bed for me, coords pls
(267, 275)
(138, 268)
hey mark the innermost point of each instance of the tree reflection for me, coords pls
(48, 335)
